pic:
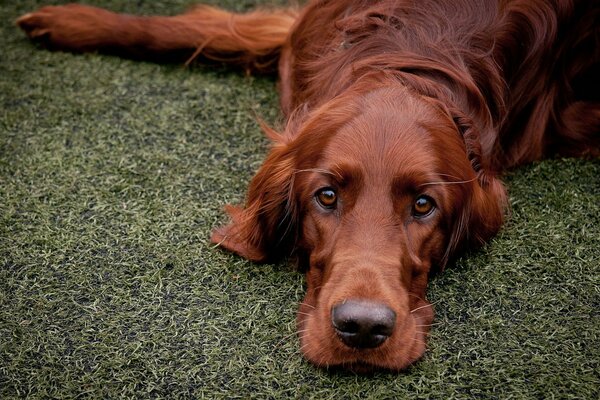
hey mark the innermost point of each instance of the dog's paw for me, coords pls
(36, 24)
(68, 27)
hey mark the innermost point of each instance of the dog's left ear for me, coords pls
(265, 228)
(483, 214)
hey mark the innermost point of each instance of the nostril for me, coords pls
(350, 326)
(363, 324)
(385, 330)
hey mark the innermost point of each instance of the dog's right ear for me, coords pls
(265, 229)
(268, 227)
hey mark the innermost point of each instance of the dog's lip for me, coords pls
(361, 366)
(361, 361)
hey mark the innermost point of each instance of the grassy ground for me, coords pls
(112, 174)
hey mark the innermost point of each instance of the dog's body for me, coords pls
(399, 115)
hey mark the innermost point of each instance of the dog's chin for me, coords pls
(365, 362)
(363, 367)
(322, 347)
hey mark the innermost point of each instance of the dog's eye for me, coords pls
(326, 197)
(423, 206)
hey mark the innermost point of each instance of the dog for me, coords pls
(400, 116)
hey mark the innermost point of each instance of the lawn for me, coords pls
(114, 172)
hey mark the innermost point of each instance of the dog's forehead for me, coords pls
(386, 137)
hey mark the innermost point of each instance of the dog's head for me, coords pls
(371, 191)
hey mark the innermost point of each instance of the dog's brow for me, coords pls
(317, 170)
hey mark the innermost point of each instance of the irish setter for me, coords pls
(400, 114)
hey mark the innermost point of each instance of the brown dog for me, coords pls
(399, 115)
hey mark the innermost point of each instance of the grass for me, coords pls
(112, 174)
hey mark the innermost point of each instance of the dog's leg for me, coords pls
(251, 39)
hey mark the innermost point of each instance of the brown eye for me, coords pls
(423, 206)
(327, 197)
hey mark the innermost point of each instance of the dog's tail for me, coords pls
(251, 40)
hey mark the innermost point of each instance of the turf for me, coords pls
(112, 174)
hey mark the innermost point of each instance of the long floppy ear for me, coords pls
(483, 214)
(265, 228)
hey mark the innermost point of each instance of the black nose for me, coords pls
(363, 324)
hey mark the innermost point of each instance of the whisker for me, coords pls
(284, 339)
(303, 313)
(418, 308)
(293, 355)
(301, 348)
(426, 305)
(417, 297)
(428, 325)
(447, 183)
(308, 305)
(422, 333)
(418, 340)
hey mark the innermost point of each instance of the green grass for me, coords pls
(112, 174)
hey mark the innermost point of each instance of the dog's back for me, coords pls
(525, 71)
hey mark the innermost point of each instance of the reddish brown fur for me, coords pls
(385, 101)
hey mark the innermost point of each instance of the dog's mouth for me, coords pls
(332, 339)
